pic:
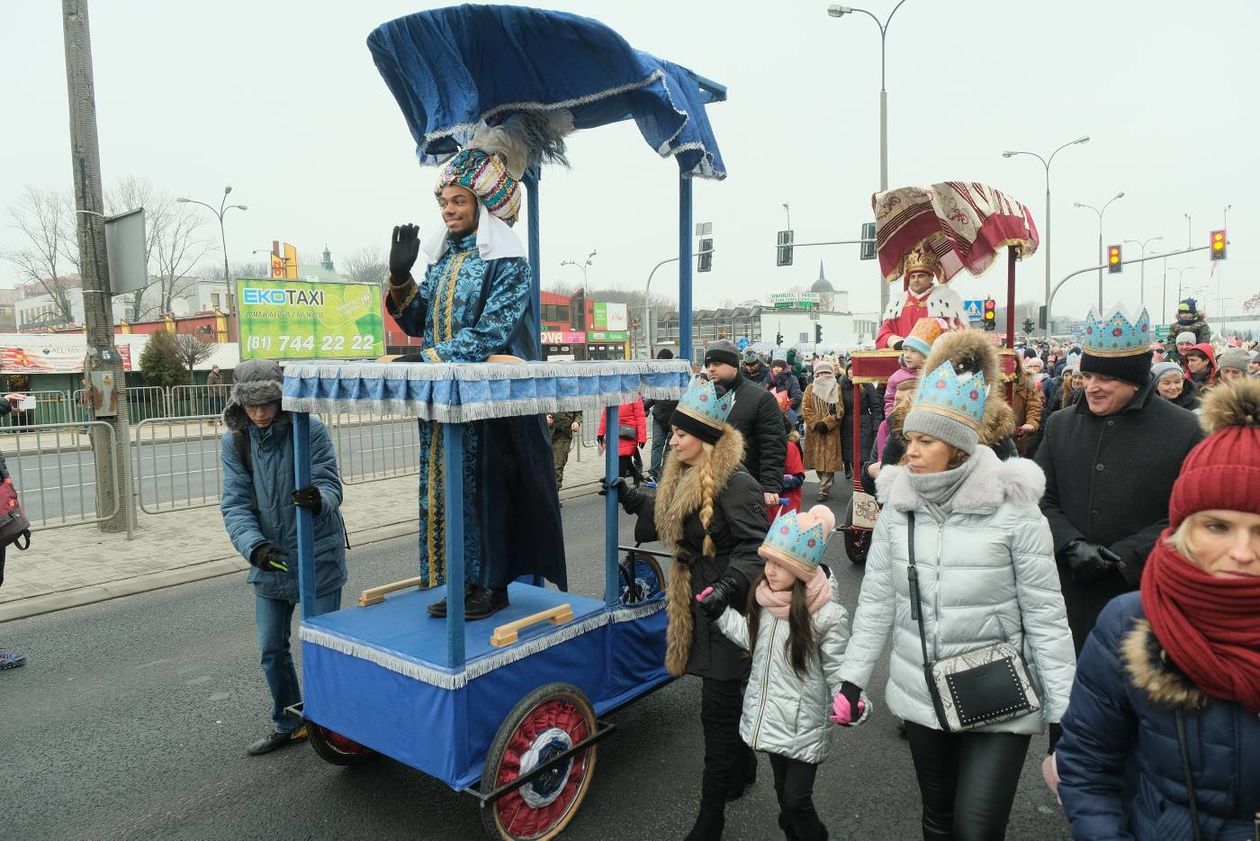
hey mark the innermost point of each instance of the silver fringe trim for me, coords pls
(444, 678)
(632, 612)
(475, 372)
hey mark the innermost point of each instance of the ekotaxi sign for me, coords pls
(292, 319)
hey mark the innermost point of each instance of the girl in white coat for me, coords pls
(986, 574)
(797, 634)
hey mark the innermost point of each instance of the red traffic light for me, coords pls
(1218, 243)
(1114, 261)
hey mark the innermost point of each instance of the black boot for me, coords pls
(786, 826)
(745, 773)
(709, 824)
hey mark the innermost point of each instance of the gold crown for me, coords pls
(922, 259)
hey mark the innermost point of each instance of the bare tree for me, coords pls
(191, 348)
(368, 265)
(1252, 303)
(176, 251)
(46, 217)
(257, 270)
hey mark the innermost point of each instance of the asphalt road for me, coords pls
(60, 486)
(131, 719)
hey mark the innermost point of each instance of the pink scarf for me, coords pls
(817, 594)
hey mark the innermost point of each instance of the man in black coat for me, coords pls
(755, 414)
(1110, 462)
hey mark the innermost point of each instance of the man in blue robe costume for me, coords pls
(475, 301)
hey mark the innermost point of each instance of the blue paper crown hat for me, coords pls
(702, 412)
(799, 549)
(1117, 345)
(949, 407)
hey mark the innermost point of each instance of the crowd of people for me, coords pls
(1084, 521)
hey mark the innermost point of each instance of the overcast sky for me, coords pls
(280, 99)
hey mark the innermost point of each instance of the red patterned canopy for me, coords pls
(963, 222)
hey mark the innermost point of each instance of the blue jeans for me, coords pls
(274, 618)
(660, 435)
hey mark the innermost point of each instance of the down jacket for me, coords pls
(784, 714)
(628, 414)
(986, 574)
(257, 505)
(1124, 716)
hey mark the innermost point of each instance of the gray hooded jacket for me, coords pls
(256, 504)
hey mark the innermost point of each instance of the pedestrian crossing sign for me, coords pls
(974, 310)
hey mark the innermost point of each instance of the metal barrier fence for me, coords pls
(50, 407)
(197, 400)
(371, 447)
(177, 463)
(54, 469)
(143, 402)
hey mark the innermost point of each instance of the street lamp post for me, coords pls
(223, 208)
(1101, 261)
(836, 11)
(590, 258)
(1046, 163)
(1180, 273)
(1142, 247)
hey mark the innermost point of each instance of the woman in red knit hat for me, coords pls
(1168, 684)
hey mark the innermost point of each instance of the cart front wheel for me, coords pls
(640, 578)
(336, 748)
(543, 725)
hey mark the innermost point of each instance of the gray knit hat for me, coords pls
(1186, 336)
(1160, 369)
(1234, 358)
(723, 351)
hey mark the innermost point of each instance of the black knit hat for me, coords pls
(722, 351)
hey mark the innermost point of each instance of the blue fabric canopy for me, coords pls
(452, 68)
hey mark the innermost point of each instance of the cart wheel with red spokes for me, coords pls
(546, 723)
(336, 748)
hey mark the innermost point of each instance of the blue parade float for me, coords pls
(508, 710)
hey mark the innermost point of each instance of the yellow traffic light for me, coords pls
(1114, 260)
(1219, 241)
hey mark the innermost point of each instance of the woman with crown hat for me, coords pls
(986, 573)
(711, 514)
(474, 302)
(922, 299)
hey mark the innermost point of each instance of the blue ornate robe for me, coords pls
(467, 309)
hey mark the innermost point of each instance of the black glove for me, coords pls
(719, 597)
(404, 248)
(852, 693)
(897, 344)
(1088, 561)
(1056, 732)
(627, 494)
(820, 427)
(268, 558)
(308, 498)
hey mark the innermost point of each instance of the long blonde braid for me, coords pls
(707, 493)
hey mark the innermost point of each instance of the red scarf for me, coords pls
(1209, 626)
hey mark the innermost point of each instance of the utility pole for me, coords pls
(113, 474)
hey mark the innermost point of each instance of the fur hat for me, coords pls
(255, 382)
(1223, 470)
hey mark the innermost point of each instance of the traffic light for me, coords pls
(990, 314)
(1115, 263)
(1028, 325)
(817, 334)
(778, 339)
(1219, 242)
(868, 241)
(783, 251)
(706, 255)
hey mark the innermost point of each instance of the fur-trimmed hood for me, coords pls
(992, 482)
(255, 382)
(1150, 670)
(973, 350)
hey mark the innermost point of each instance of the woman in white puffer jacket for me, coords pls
(986, 574)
